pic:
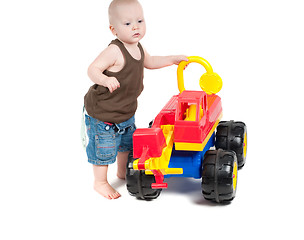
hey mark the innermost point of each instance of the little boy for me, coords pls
(112, 101)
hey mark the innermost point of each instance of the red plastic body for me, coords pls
(149, 142)
(196, 131)
(151, 138)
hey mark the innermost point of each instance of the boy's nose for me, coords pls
(135, 27)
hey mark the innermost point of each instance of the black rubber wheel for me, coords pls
(219, 175)
(138, 183)
(232, 136)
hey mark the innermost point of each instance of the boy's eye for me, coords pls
(127, 24)
(140, 21)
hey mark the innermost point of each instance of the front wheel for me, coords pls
(219, 175)
(138, 183)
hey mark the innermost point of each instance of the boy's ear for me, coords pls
(113, 30)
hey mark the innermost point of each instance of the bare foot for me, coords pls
(105, 189)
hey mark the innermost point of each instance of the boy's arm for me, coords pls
(104, 60)
(155, 62)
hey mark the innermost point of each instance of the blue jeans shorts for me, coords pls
(106, 139)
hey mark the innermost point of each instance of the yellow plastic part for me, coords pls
(245, 145)
(210, 82)
(183, 146)
(161, 163)
(191, 113)
(234, 175)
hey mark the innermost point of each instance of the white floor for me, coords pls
(45, 181)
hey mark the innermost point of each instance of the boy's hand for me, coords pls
(177, 59)
(111, 83)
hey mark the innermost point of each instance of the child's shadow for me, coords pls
(118, 183)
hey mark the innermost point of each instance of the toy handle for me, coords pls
(210, 82)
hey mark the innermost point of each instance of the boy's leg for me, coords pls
(122, 158)
(101, 184)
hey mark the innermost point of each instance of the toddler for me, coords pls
(111, 102)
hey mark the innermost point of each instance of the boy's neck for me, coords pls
(129, 45)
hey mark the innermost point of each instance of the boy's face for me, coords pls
(128, 23)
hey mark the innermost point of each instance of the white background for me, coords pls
(45, 180)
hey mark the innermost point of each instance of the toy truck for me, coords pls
(177, 143)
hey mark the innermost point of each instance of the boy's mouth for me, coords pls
(136, 35)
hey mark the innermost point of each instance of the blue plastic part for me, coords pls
(189, 161)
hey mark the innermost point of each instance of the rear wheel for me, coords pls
(233, 136)
(138, 183)
(219, 175)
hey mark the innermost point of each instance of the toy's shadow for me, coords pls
(190, 187)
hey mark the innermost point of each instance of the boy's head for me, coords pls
(126, 19)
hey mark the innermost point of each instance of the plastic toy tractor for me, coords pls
(177, 143)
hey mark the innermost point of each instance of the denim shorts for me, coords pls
(106, 139)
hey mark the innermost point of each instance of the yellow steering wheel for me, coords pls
(210, 82)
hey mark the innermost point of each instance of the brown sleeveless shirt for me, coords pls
(121, 104)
